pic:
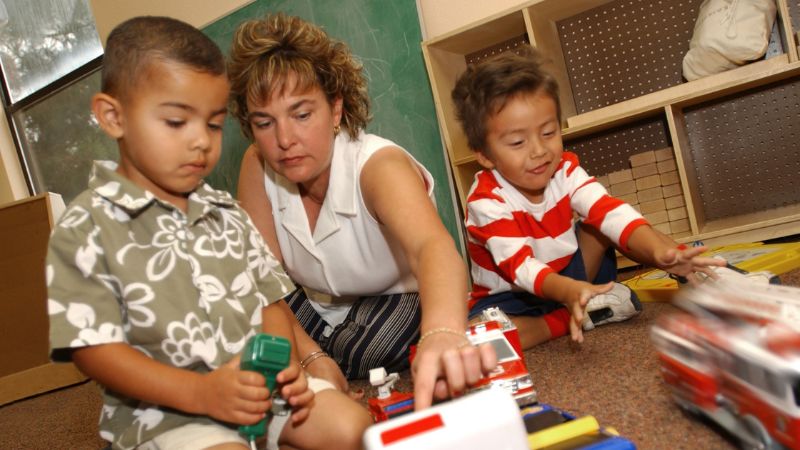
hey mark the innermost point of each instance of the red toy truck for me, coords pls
(733, 356)
(494, 328)
(511, 374)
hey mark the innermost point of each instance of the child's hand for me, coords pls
(294, 388)
(686, 262)
(233, 395)
(576, 302)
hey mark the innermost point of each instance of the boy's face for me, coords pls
(293, 131)
(170, 129)
(523, 143)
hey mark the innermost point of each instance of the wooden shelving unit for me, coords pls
(618, 63)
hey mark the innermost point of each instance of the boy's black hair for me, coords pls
(138, 42)
(484, 89)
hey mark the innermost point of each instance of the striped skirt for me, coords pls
(377, 332)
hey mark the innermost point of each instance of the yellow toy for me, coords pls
(656, 285)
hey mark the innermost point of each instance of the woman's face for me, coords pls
(294, 131)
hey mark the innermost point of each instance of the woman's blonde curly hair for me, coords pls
(266, 51)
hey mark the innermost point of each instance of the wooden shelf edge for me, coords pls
(464, 160)
(453, 40)
(37, 380)
(749, 222)
(761, 72)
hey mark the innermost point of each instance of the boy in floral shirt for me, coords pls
(156, 280)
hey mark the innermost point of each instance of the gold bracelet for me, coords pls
(313, 356)
(430, 333)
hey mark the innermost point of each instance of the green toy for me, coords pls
(267, 355)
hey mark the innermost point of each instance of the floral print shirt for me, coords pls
(185, 289)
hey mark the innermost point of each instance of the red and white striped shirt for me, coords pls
(514, 244)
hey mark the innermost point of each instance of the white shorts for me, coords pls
(194, 436)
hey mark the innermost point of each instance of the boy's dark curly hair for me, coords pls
(484, 89)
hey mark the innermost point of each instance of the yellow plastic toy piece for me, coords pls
(657, 286)
(563, 432)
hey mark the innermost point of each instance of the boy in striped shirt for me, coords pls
(529, 256)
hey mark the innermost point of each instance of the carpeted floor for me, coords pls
(612, 376)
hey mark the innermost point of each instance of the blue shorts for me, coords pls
(523, 303)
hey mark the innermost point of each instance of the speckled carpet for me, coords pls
(612, 376)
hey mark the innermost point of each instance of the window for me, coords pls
(503, 350)
(50, 55)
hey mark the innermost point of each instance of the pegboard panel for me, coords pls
(746, 150)
(794, 14)
(510, 45)
(625, 49)
(609, 151)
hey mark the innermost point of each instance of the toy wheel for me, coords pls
(762, 439)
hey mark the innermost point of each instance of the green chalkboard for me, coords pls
(386, 36)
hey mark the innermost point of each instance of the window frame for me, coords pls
(36, 98)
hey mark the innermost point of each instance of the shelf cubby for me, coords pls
(619, 68)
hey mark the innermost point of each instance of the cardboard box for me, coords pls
(643, 158)
(668, 178)
(657, 217)
(678, 226)
(26, 369)
(648, 182)
(650, 194)
(632, 198)
(645, 170)
(626, 187)
(672, 190)
(664, 154)
(667, 165)
(677, 214)
(663, 227)
(652, 206)
(674, 202)
(620, 176)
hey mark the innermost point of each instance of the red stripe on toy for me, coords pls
(412, 429)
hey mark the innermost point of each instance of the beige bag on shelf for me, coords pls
(727, 34)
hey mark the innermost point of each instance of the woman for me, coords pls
(351, 216)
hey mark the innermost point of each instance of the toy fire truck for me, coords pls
(511, 374)
(733, 356)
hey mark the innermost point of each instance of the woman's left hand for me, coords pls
(294, 388)
(444, 367)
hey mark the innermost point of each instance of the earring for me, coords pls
(336, 130)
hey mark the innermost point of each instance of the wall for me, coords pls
(442, 16)
(108, 14)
